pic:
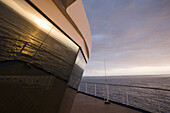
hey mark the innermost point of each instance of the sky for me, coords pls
(133, 36)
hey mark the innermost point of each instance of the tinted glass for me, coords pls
(34, 40)
(77, 71)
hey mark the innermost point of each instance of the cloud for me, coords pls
(129, 34)
(130, 5)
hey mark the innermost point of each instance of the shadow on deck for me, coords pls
(88, 104)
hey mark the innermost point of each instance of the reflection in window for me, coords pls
(77, 71)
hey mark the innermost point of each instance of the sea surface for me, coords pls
(152, 100)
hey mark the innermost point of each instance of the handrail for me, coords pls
(144, 87)
(126, 96)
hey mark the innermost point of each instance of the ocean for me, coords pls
(156, 100)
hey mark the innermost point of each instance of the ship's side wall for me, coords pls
(40, 67)
(27, 89)
(68, 100)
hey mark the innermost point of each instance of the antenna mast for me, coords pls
(107, 88)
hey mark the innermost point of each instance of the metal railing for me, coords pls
(151, 99)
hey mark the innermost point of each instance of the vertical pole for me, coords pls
(86, 87)
(107, 88)
(95, 89)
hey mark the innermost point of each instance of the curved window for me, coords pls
(77, 71)
(27, 36)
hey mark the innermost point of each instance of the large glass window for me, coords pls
(77, 71)
(26, 35)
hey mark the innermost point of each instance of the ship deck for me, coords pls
(87, 104)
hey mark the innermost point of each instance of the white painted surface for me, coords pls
(77, 13)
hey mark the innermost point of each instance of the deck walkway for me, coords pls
(87, 104)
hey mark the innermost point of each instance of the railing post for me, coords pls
(107, 95)
(79, 88)
(86, 87)
(103, 92)
(107, 92)
(127, 100)
(95, 89)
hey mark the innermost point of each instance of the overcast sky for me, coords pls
(133, 36)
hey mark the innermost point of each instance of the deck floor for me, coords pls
(87, 104)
